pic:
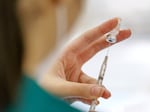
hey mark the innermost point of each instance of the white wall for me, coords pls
(128, 73)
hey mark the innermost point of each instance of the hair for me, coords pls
(11, 49)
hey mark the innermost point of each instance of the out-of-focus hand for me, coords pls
(65, 77)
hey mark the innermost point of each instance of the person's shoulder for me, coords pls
(32, 98)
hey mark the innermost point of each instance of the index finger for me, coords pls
(93, 34)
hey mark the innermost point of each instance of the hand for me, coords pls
(65, 77)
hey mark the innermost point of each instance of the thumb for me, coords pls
(89, 91)
(65, 88)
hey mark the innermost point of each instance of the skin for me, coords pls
(67, 69)
(65, 77)
(38, 22)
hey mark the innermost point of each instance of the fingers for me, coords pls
(123, 34)
(93, 34)
(100, 44)
(72, 99)
(89, 80)
(83, 78)
(88, 101)
(63, 88)
(97, 32)
(88, 91)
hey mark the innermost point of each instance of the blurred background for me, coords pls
(128, 72)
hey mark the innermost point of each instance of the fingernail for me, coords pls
(106, 94)
(119, 20)
(96, 91)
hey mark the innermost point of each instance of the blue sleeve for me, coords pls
(32, 98)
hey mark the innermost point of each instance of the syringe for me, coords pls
(110, 38)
